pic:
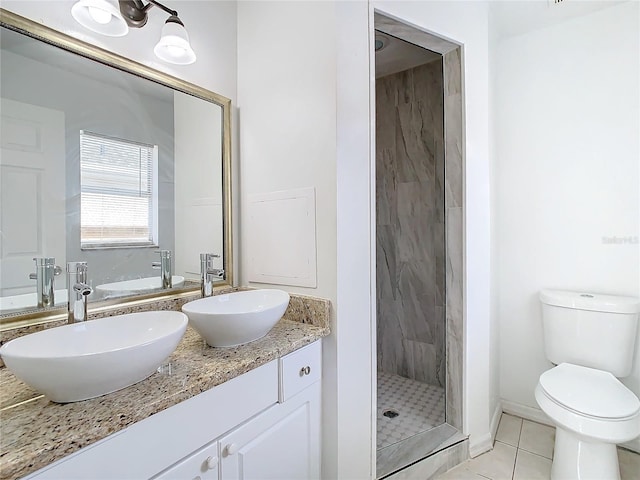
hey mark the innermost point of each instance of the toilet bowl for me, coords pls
(591, 340)
(592, 411)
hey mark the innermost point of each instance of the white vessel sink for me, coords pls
(27, 300)
(89, 359)
(138, 285)
(236, 318)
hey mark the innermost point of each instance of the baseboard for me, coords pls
(495, 420)
(480, 445)
(537, 415)
(526, 412)
(484, 443)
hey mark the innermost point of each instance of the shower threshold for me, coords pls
(400, 455)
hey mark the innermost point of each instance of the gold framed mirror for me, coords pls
(60, 199)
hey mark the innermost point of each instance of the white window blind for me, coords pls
(118, 193)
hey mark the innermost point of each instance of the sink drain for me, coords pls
(390, 413)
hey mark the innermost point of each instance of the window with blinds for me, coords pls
(118, 192)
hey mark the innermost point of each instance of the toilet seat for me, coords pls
(589, 392)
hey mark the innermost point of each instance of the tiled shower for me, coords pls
(410, 224)
(410, 252)
(418, 256)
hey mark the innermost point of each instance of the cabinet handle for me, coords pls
(305, 371)
(211, 462)
(231, 448)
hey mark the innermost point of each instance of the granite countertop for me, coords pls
(35, 431)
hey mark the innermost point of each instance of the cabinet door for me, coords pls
(201, 465)
(282, 443)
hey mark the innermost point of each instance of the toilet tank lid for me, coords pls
(590, 301)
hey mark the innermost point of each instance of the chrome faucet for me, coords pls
(208, 273)
(77, 291)
(46, 270)
(165, 267)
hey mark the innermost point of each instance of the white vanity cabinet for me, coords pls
(264, 424)
(283, 442)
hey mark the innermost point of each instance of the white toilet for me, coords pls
(590, 338)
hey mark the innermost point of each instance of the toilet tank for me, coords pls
(590, 329)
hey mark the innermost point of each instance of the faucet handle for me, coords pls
(45, 262)
(76, 267)
(206, 259)
(164, 256)
(79, 269)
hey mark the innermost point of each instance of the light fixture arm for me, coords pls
(135, 11)
(161, 6)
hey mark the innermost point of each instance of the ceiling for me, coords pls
(397, 55)
(515, 17)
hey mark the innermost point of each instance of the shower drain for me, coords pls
(390, 413)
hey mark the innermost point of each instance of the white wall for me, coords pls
(287, 92)
(356, 282)
(567, 123)
(286, 103)
(467, 23)
(494, 359)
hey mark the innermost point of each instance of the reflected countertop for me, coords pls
(35, 431)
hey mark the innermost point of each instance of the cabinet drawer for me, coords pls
(300, 369)
(201, 465)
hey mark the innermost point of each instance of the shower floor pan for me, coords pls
(410, 423)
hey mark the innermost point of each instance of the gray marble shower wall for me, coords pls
(410, 200)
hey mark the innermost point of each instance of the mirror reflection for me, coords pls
(103, 168)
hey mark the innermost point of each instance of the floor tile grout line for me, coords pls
(520, 432)
(534, 453)
(517, 448)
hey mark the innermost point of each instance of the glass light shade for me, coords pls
(100, 16)
(174, 46)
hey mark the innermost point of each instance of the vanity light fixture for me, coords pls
(102, 16)
(174, 44)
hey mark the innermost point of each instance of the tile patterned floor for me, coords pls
(420, 408)
(523, 451)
